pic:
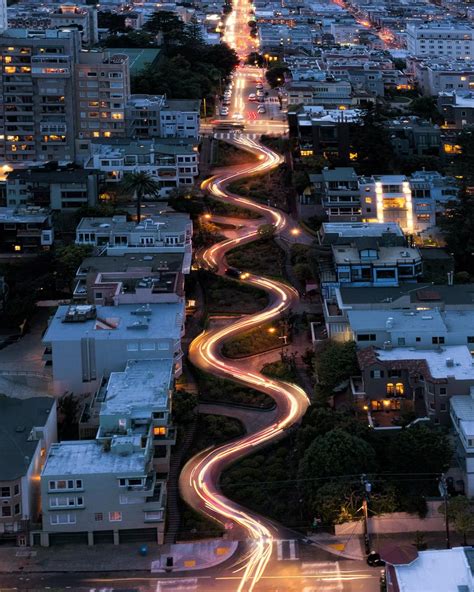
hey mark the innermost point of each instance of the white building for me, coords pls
(86, 343)
(439, 39)
(3, 15)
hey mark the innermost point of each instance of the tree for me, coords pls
(255, 58)
(168, 24)
(184, 407)
(419, 448)
(460, 515)
(130, 39)
(112, 21)
(426, 108)
(335, 362)
(68, 421)
(300, 181)
(222, 57)
(140, 184)
(335, 454)
(276, 75)
(457, 223)
(371, 143)
(68, 259)
(266, 230)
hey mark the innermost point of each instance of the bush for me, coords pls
(252, 342)
(220, 390)
(262, 257)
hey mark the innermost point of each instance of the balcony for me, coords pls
(168, 438)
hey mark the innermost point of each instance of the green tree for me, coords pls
(266, 230)
(276, 75)
(139, 185)
(184, 407)
(67, 260)
(68, 420)
(335, 454)
(419, 448)
(335, 362)
(460, 515)
(169, 25)
(371, 142)
(457, 223)
(426, 108)
(130, 39)
(255, 58)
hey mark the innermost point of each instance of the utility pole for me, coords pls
(365, 508)
(443, 488)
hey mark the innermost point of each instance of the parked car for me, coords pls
(224, 111)
(252, 97)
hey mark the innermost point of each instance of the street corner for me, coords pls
(194, 556)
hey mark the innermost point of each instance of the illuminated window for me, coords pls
(117, 115)
(159, 431)
(25, 69)
(10, 69)
(399, 389)
(115, 516)
(390, 389)
(95, 134)
(93, 103)
(17, 248)
(107, 134)
(368, 200)
(8, 59)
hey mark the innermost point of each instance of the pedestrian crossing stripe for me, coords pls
(286, 550)
(234, 135)
(322, 576)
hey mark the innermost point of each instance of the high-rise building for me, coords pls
(37, 95)
(102, 91)
(439, 39)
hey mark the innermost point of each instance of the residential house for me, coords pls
(25, 229)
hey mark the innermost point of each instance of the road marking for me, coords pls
(328, 574)
(178, 585)
(282, 545)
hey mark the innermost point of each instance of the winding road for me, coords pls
(199, 480)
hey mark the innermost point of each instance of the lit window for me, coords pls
(117, 115)
(115, 516)
(159, 431)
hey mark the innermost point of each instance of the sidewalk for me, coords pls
(110, 558)
(347, 546)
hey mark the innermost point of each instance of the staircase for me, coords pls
(173, 516)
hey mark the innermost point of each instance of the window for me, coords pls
(401, 341)
(443, 390)
(437, 340)
(366, 337)
(399, 389)
(62, 519)
(154, 516)
(394, 373)
(159, 431)
(470, 339)
(4, 492)
(135, 482)
(122, 482)
(390, 389)
(148, 346)
(417, 339)
(376, 374)
(442, 407)
(16, 489)
(17, 509)
(115, 516)
(6, 511)
(98, 516)
(132, 346)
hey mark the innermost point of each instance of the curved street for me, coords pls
(199, 480)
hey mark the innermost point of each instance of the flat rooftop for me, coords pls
(144, 384)
(438, 571)
(401, 321)
(23, 215)
(87, 457)
(126, 321)
(166, 222)
(360, 229)
(427, 295)
(462, 368)
(386, 255)
(130, 262)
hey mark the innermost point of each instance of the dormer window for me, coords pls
(368, 254)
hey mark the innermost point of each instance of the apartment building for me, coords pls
(101, 492)
(322, 131)
(130, 279)
(103, 87)
(452, 39)
(338, 192)
(54, 187)
(165, 233)
(433, 76)
(3, 15)
(156, 116)
(26, 229)
(70, 16)
(457, 108)
(84, 343)
(413, 136)
(27, 430)
(462, 419)
(172, 163)
(37, 95)
(329, 93)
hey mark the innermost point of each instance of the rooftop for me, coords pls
(17, 418)
(129, 262)
(166, 222)
(361, 229)
(339, 174)
(438, 571)
(426, 294)
(23, 215)
(91, 457)
(385, 255)
(437, 360)
(144, 384)
(126, 321)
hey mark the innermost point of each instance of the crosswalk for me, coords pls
(286, 549)
(322, 576)
(233, 135)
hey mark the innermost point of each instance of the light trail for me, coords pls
(199, 482)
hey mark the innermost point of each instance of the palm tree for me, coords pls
(140, 184)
